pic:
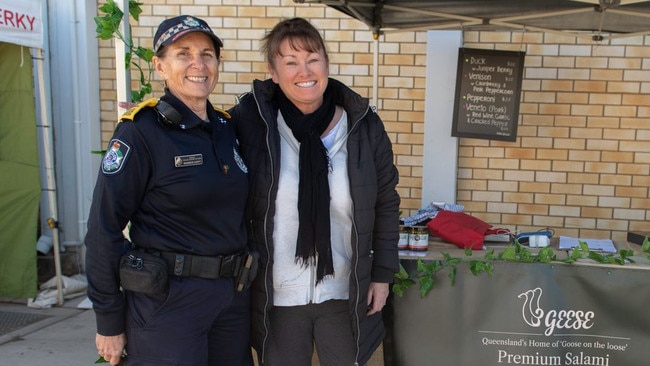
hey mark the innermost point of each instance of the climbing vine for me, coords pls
(425, 274)
(108, 27)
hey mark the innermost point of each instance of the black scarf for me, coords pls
(313, 190)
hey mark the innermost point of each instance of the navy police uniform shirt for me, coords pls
(181, 187)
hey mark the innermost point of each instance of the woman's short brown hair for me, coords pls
(301, 35)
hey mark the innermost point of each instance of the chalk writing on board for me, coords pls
(488, 88)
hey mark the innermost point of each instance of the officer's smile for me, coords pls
(197, 79)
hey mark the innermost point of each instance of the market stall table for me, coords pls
(584, 313)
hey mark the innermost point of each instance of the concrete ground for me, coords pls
(65, 337)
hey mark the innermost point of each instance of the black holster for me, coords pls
(247, 272)
(143, 272)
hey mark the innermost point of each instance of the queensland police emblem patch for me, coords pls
(115, 157)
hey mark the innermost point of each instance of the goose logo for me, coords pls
(537, 317)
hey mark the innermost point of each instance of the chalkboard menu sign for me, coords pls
(488, 88)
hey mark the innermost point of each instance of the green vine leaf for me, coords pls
(454, 261)
(426, 285)
(109, 24)
(645, 247)
(620, 258)
(452, 275)
(575, 254)
(135, 10)
(546, 255)
(146, 54)
(426, 268)
(489, 255)
(508, 254)
(102, 360)
(626, 255)
(596, 257)
(425, 274)
(477, 267)
(108, 27)
(402, 281)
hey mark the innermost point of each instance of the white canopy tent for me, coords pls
(25, 23)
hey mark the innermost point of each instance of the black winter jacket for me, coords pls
(373, 178)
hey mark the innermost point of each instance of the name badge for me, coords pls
(188, 160)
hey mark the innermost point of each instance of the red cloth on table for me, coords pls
(459, 228)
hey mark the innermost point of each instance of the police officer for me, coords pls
(172, 173)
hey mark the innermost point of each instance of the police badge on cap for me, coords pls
(174, 28)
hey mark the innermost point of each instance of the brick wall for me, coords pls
(581, 162)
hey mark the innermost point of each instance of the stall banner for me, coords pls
(21, 22)
(526, 314)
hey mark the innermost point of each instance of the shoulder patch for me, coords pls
(115, 156)
(131, 112)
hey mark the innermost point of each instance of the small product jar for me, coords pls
(403, 242)
(419, 238)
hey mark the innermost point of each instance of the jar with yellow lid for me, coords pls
(419, 238)
(404, 232)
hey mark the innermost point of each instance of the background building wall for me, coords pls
(581, 162)
(401, 66)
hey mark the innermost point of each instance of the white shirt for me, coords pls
(293, 283)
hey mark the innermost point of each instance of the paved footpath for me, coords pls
(65, 338)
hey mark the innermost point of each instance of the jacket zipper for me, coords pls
(355, 243)
(266, 218)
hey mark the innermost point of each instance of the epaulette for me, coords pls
(131, 112)
(222, 112)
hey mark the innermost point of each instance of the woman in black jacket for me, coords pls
(323, 211)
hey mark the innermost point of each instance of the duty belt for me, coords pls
(203, 266)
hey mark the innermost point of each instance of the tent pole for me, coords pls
(48, 163)
(48, 149)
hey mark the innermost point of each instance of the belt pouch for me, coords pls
(143, 272)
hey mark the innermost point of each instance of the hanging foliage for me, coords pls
(108, 27)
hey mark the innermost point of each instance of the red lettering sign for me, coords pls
(17, 20)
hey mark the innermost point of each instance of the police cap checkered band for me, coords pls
(172, 29)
